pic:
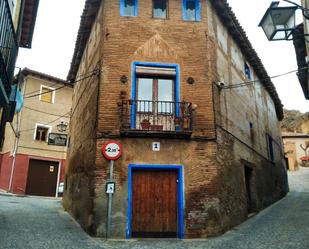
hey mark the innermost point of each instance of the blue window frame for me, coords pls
(191, 10)
(180, 194)
(128, 7)
(134, 86)
(247, 71)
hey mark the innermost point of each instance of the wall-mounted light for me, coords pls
(62, 127)
(190, 80)
(279, 23)
(123, 79)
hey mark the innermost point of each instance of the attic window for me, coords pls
(128, 7)
(191, 10)
(160, 9)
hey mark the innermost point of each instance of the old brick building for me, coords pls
(184, 92)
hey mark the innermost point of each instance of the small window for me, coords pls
(251, 130)
(270, 148)
(41, 133)
(191, 10)
(128, 7)
(47, 94)
(159, 9)
(247, 71)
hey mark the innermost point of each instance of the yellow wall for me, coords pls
(27, 119)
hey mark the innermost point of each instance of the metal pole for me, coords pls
(110, 198)
(17, 137)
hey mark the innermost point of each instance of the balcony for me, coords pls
(145, 118)
(8, 46)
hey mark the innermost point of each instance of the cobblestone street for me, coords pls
(41, 223)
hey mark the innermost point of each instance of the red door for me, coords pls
(154, 203)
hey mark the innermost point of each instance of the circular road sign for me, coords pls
(112, 150)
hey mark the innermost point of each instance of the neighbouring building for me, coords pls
(294, 148)
(17, 21)
(179, 85)
(295, 135)
(33, 157)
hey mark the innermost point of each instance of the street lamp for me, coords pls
(278, 23)
(62, 127)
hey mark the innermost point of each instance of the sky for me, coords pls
(58, 21)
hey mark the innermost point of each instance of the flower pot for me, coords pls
(156, 127)
(145, 124)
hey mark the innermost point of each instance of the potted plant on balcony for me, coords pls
(177, 122)
(156, 127)
(145, 124)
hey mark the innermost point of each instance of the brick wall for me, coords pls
(213, 166)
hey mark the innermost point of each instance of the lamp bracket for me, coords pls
(304, 10)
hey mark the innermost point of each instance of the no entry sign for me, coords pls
(112, 150)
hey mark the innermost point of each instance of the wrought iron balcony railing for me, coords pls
(8, 45)
(153, 117)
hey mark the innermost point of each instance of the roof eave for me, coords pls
(28, 23)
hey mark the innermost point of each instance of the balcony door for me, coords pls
(155, 102)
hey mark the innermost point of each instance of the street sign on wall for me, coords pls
(112, 150)
(57, 139)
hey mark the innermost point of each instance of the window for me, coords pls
(128, 7)
(191, 10)
(270, 148)
(159, 9)
(251, 130)
(41, 132)
(247, 71)
(47, 94)
(155, 93)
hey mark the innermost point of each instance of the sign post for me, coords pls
(112, 151)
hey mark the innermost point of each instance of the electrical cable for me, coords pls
(56, 84)
(246, 83)
(30, 93)
(32, 129)
(94, 72)
(32, 109)
(73, 111)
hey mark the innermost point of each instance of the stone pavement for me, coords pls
(41, 223)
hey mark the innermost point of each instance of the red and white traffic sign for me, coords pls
(112, 150)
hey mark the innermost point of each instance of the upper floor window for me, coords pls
(47, 94)
(247, 71)
(159, 9)
(128, 7)
(155, 94)
(191, 10)
(41, 132)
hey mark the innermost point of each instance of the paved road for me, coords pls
(38, 223)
